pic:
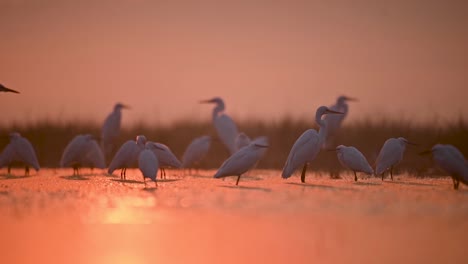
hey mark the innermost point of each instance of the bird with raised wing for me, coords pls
(19, 150)
(307, 146)
(224, 125)
(82, 151)
(166, 158)
(127, 156)
(390, 155)
(351, 158)
(241, 161)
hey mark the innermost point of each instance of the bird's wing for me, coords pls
(238, 163)
(25, 152)
(165, 157)
(148, 164)
(389, 155)
(72, 151)
(356, 161)
(111, 127)
(227, 131)
(195, 151)
(305, 149)
(93, 155)
(125, 156)
(8, 155)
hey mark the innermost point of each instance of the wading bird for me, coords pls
(127, 156)
(148, 163)
(166, 158)
(450, 160)
(224, 125)
(334, 121)
(111, 129)
(82, 151)
(351, 158)
(4, 89)
(196, 151)
(390, 155)
(307, 146)
(19, 150)
(241, 161)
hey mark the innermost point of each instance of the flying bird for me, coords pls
(334, 121)
(4, 89)
(166, 158)
(19, 150)
(450, 160)
(82, 151)
(307, 146)
(196, 151)
(390, 155)
(148, 163)
(127, 156)
(111, 129)
(351, 158)
(224, 125)
(241, 161)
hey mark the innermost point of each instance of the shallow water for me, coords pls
(52, 217)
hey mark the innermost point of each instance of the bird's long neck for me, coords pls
(323, 127)
(219, 109)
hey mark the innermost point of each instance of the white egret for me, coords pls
(148, 163)
(83, 150)
(242, 140)
(166, 158)
(19, 150)
(351, 158)
(334, 121)
(449, 159)
(127, 156)
(4, 89)
(224, 125)
(241, 161)
(390, 155)
(307, 146)
(196, 151)
(111, 129)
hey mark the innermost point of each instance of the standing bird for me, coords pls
(307, 146)
(242, 140)
(166, 158)
(224, 125)
(334, 121)
(351, 158)
(390, 155)
(4, 89)
(449, 159)
(241, 161)
(83, 150)
(148, 163)
(127, 156)
(196, 151)
(111, 129)
(19, 150)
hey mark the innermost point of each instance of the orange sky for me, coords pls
(75, 59)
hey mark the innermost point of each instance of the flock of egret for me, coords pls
(149, 157)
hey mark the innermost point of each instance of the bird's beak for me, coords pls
(333, 112)
(425, 152)
(351, 99)
(260, 145)
(205, 101)
(126, 107)
(10, 90)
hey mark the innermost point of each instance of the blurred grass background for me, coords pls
(49, 139)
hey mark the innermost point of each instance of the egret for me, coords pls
(241, 161)
(334, 121)
(19, 150)
(224, 125)
(166, 158)
(307, 146)
(242, 140)
(4, 89)
(83, 150)
(449, 159)
(390, 155)
(127, 156)
(111, 129)
(351, 158)
(148, 163)
(196, 151)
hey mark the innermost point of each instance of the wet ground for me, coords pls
(54, 217)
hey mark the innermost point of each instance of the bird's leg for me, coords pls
(155, 184)
(383, 173)
(355, 176)
(164, 170)
(303, 172)
(238, 178)
(26, 171)
(144, 180)
(9, 169)
(391, 172)
(125, 173)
